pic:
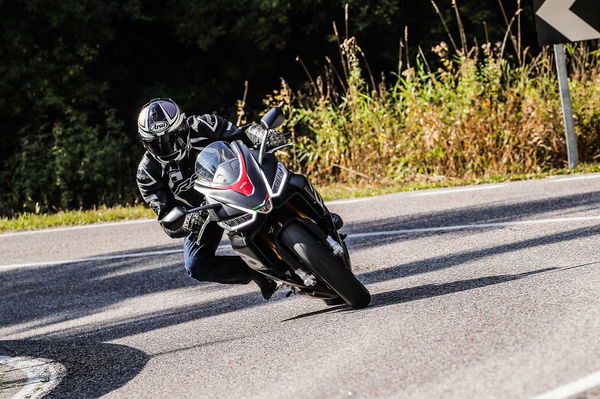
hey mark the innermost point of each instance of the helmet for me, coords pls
(164, 130)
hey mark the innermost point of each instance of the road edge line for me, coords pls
(424, 192)
(576, 387)
(350, 236)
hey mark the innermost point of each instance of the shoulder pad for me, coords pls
(210, 122)
(149, 171)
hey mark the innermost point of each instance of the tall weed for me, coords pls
(475, 115)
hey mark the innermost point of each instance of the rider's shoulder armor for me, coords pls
(149, 172)
(150, 182)
(211, 127)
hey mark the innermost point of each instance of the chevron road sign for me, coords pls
(562, 21)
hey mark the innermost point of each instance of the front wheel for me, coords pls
(321, 261)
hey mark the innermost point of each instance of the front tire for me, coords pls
(329, 268)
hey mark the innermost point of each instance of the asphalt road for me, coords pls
(488, 292)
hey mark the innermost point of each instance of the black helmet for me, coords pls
(164, 130)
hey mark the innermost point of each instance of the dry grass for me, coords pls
(477, 114)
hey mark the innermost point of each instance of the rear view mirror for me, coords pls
(272, 119)
(174, 219)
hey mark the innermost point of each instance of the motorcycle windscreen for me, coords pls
(218, 165)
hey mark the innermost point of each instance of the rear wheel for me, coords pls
(329, 268)
(334, 301)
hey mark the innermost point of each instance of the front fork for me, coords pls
(334, 240)
(316, 201)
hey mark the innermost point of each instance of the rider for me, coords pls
(165, 178)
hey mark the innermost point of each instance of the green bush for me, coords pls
(70, 164)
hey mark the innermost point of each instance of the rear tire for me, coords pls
(329, 268)
(334, 301)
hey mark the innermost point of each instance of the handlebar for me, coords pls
(261, 154)
(281, 147)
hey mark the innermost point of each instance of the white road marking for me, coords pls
(42, 375)
(452, 190)
(87, 226)
(573, 388)
(456, 190)
(561, 179)
(418, 193)
(97, 258)
(350, 235)
(474, 226)
(349, 201)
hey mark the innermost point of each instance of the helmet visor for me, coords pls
(169, 146)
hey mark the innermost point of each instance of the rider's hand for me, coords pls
(276, 138)
(193, 221)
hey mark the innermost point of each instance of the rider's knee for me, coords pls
(200, 269)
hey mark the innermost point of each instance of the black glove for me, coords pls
(193, 222)
(276, 138)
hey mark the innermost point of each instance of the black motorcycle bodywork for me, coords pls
(277, 222)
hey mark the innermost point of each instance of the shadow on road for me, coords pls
(446, 261)
(433, 290)
(322, 311)
(93, 369)
(44, 296)
(47, 295)
(559, 206)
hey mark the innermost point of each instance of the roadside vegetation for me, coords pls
(464, 111)
(334, 191)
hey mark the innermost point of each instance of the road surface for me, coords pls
(487, 291)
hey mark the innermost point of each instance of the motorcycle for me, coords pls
(275, 219)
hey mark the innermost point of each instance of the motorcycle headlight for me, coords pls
(238, 221)
(266, 208)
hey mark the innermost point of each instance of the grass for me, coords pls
(32, 221)
(329, 192)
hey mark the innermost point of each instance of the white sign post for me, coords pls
(561, 21)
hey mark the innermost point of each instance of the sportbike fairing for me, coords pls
(230, 174)
(218, 166)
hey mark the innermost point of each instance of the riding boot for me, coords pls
(266, 285)
(337, 221)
